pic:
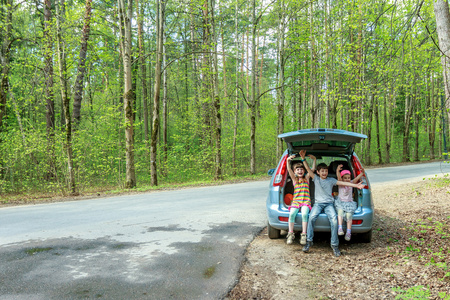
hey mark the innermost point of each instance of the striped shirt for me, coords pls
(301, 195)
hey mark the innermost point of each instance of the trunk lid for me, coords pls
(323, 141)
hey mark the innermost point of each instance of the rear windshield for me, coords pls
(340, 144)
(329, 159)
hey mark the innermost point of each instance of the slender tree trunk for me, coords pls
(165, 107)
(303, 122)
(236, 92)
(409, 105)
(125, 13)
(49, 97)
(216, 100)
(369, 129)
(281, 95)
(78, 87)
(155, 127)
(377, 128)
(432, 116)
(195, 77)
(5, 38)
(387, 126)
(313, 105)
(60, 11)
(253, 97)
(143, 68)
(224, 68)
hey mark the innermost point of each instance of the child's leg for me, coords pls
(349, 216)
(305, 214)
(292, 214)
(332, 217)
(348, 235)
(340, 216)
(340, 220)
(314, 214)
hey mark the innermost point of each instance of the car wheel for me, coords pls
(366, 237)
(273, 232)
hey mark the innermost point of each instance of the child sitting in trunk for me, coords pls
(301, 200)
(344, 203)
(324, 201)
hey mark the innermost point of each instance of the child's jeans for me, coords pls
(328, 208)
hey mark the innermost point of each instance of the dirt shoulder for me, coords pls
(409, 254)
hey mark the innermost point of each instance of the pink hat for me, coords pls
(344, 172)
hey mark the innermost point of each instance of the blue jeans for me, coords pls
(328, 208)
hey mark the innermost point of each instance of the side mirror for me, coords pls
(270, 172)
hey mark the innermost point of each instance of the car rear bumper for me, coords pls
(278, 217)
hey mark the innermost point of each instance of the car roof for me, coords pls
(323, 141)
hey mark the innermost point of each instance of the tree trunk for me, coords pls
(432, 116)
(60, 11)
(155, 126)
(78, 87)
(143, 68)
(253, 97)
(165, 107)
(216, 100)
(377, 128)
(281, 95)
(442, 14)
(49, 97)
(236, 92)
(313, 105)
(5, 38)
(125, 15)
(195, 77)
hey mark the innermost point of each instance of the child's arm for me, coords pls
(313, 168)
(358, 178)
(310, 172)
(356, 185)
(289, 167)
(338, 172)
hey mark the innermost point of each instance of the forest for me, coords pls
(117, 94)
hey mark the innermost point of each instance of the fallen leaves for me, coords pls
(409, 254)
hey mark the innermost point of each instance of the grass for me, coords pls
(33, 251)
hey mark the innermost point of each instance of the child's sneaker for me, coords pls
(340, 231)
(306, 247)
(336, 251)
(348, 236)
(303, 239)
(290, 238)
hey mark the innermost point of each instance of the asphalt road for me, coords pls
(183, 244)
(408, 172)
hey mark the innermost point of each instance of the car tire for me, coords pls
(273, 232)
(366, 237)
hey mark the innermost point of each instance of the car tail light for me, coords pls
(357, 222)
(283, 219)
(280, 175)
(358, 169)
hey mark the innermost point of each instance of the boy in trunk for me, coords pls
(324, 202)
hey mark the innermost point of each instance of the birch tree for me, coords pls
(156, 96)
(125, 15)
(60, 11)
(442, 14)
(48, 90)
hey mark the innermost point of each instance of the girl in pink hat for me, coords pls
(344, 203)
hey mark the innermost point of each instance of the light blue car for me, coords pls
(333, 147)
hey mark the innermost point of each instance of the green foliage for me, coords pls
(342, 61)
(415, 292)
